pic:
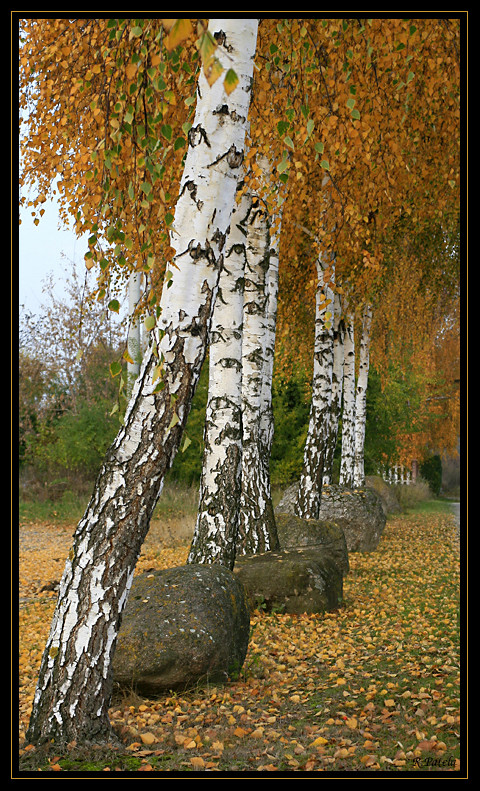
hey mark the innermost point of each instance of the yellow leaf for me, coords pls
(197, 761)
(148, 738)
(213, 71)
(351, 723)
(180, 30)
(319, 741)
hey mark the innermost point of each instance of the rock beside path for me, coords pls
(182, 627)
(358, 512)
(305, 575)
(293, 581)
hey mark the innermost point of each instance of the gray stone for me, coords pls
(182, 627)
(293, 581)
(324, 537)
(358, 512)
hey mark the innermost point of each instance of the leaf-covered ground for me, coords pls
(374, 686)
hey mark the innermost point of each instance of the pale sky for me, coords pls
(40, 249)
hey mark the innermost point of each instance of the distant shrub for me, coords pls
(413, 494)
(431, 471)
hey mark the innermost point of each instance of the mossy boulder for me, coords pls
(295, 532)
(305, 575)
(357, 511)
(182, 627)
(293, 581)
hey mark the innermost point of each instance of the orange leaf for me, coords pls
(197, 761)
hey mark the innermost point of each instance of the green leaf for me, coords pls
(114, 305)
(230, 82)
(150, 323)
(356, 115)
(186, 444)
(166, 131)
(310, 126)
(319, 147)
(175, 419)
(325, 164)
(289, 142)
(115, 368)
(180, 142)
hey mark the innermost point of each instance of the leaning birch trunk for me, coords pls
(309, 493)
(361, 398)
(257, 529)
(348, 411)
(337, 386)
(75, 681)
(215, 535)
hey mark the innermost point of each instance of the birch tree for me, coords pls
(348, 409)
(257, 530)
(74, 685)
(361, 397)
(310, 488)
(216, 529)
(337, 389)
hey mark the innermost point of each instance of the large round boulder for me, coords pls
(182, 627)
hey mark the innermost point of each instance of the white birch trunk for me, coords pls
(361, 398)
(337, 388)
(74, 686)
(266, 409)
(215, 535)
(348, 411)
(310, 487)
(257, 529)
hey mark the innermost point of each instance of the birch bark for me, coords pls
(310, 487)
(215, 535)
(337, 387)
(257, 530)
(74, 685)
(266, 407)
(361, 398)
(348, 410)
